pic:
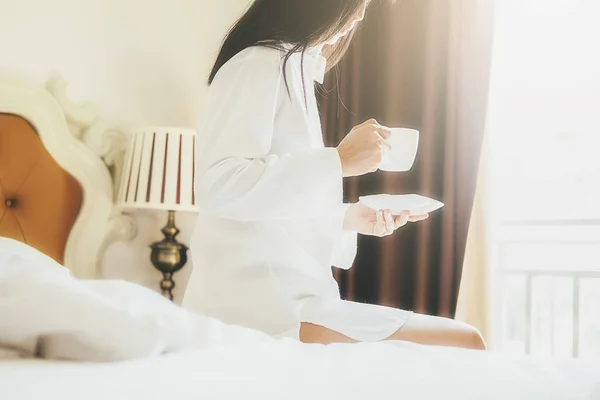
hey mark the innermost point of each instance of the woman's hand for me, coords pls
(361, 150)
(366, 221)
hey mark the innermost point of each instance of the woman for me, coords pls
(272, 222)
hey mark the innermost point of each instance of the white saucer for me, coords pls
(417, 205)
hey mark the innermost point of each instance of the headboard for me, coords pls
(59, 165)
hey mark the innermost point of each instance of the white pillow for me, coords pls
(47, 312)
(61, 317)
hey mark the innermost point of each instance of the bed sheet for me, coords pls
(290, 370)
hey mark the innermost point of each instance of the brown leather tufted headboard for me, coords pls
(39, 201)
(59, 163)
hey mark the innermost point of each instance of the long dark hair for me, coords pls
(303, 24)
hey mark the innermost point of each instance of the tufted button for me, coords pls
(10, 203)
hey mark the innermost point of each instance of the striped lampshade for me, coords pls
(158, 172)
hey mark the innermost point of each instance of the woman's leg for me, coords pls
(423, 329)
(310, 333)
(437, 331)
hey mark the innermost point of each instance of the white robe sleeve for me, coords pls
(237, 177)
(346, 243)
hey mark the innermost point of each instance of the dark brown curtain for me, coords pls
(420, 64)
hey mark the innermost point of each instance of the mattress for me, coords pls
(290, 370)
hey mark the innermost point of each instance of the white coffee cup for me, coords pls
(401, 156)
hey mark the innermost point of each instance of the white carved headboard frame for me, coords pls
(91, 151)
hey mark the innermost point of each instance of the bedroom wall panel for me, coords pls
(142, 62)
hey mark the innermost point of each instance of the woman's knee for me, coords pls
(439, 331)
(468, 336)
(473, 339)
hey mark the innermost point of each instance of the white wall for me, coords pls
(142, 62)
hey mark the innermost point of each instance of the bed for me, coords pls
(59, 166)
(75, 218)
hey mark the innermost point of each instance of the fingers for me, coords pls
(381, 130)
(417, 218)
(379, 228)
(385, 223)
(389, 222)
(401, 220)
(384, 132)
(384, 145)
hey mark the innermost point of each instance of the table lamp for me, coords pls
(158, 174)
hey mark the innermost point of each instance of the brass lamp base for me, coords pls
(168, 256)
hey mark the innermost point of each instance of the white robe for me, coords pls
(270, 193)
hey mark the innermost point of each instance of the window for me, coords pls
(545, 177)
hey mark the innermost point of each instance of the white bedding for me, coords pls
(178, 355)
(288, 370)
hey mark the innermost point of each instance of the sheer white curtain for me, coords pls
(474, 299)
(532, 267)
